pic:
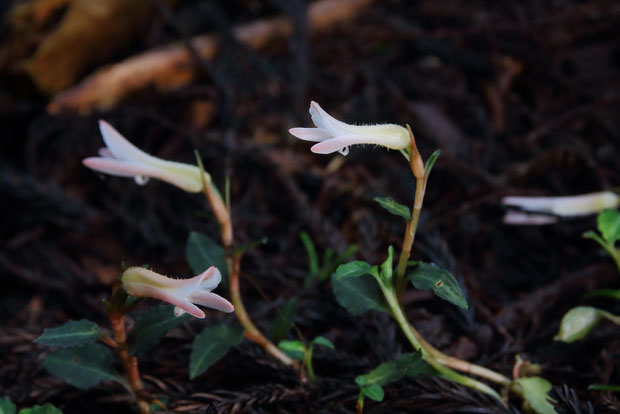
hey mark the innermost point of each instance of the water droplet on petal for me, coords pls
(344, 151)
(141, 179)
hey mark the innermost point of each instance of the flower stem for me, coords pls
(130, 363)
(400, 281)
(250, 330)
(221, 210)
(421, 345)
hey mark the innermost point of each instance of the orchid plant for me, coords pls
(359, 286)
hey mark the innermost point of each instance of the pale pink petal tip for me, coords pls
(518, 218)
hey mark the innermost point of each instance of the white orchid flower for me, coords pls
(123, 159)
(182, 293)
(333, 135)
(572, 206)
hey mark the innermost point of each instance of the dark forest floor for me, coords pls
(522, 98)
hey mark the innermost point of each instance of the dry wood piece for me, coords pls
(173, 66)
(89, 32)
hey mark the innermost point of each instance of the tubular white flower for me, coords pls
(572, 206)
(182, 293)
(333, 135)
(121, 158)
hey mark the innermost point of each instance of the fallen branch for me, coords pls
(173, 66)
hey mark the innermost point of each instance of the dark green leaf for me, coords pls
(330, 264)
(374, 392)
(577, 323)
(151, 326)
(321, 340)
(535, 391)
(430, 163)
(41, 409)
(211, 345)
(393, 207)
(7, 406)
(82, 367)
(283, 320)
(352, 269)
(358, 294)
(410, 364)
(610, 293)
(72, 333)
(313, 258)
(609, 225)
(600, 387)
(413, 365)
(428, 276)
(202, 252)
(294, 349)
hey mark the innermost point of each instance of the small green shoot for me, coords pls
(300, 352)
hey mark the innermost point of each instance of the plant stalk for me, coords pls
(130, 363)
(421, 345)
(401, 281)
(250, 330)
(221, 210)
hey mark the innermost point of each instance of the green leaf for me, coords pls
(428, 276)
(41, 409)
(374, 392)
(211, 345)
(413, 365)
(609, 225)
(321, 340)
(610, 293)
(410, 364)
(202, 252)
(352, 269)
(600, 387)
(393, 207)
(72, 333)
(535, 391)
(283, 320)
(430, 163)
(386, 267)
(577, 323)
(151, 326)
(313, 258)
(358, 294)
(294, 349)
(7, 406)
(82, 367)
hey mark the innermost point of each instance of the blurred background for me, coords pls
(522, 98)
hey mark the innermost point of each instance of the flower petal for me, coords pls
(310, 134)
(119, 168)
(519, 218)
(342, 141)
(211, 300)
(105, 153)
(120, 146)
(327, 122)
(212, 278)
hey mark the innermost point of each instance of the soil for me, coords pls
(522, 98)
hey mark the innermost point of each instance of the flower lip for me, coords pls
(332, 135)
(569, 206)
(182, 293)
(121, 158)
